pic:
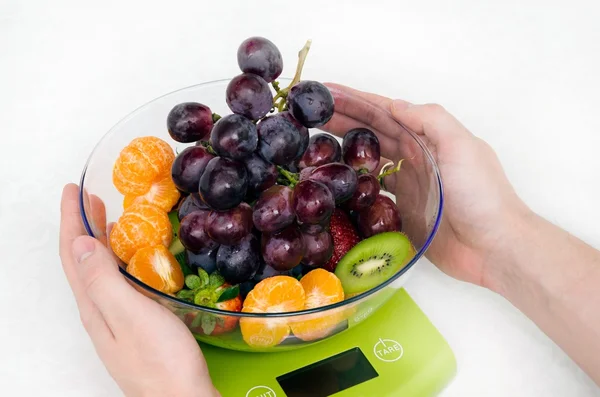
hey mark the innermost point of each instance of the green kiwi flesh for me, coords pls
(373, 261)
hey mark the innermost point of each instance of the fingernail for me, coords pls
(400, 105)
(83, 247)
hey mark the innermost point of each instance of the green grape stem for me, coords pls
(291, 177)
(389, 172)
(215, 117)
(279, 101)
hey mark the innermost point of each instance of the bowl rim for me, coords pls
(182, 304)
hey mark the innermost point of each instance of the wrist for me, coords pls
(503, 261)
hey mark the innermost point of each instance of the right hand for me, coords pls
(481, 207)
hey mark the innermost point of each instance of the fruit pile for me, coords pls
(256, 215)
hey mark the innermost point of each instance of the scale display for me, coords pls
(394, 352)
(332, 375)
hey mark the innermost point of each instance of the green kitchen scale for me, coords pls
(395, 352)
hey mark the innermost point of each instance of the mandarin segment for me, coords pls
(278, 294)
(158, 152)
(322, 288)
(141, 163)
(163, 194)
(157, 267)
(140, 226)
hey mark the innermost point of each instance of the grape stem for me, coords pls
(282, 93)
(208, 148)
(215, 117)
(387, 172)
(289, 176)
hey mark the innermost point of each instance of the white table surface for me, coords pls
(524, 75)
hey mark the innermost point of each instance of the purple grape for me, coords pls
(260, 56)
(311, 103)
(188, 167)
(365, 194)
(322, 149)
(229, 227)
(274, 209)
(316, 228)
(319, 249)
(246, 287)
(339, 178)
(261, 174)
(223, 184)
(279, 140)
(189, 122)
(249, 95)
(360, 149)
(205, 259)
(265, 271)
(382, 216)
(191, 203)
(304, 136)
(234, 136)
(306, 172)
(192, 232)
(239, 262)
(314, 202)
(283, 250)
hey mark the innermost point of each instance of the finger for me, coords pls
(104, 285)
(431, 120)
(71, 227)
(377, 100)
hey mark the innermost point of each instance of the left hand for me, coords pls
(145, 347)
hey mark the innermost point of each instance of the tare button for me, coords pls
(261, 391)
(388, 350)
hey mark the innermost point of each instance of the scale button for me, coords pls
(261, 391)
(388, 350)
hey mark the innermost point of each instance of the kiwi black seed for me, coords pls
(373, 261)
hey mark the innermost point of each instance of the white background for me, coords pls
(523, 75)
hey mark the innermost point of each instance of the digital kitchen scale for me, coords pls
(395, 352)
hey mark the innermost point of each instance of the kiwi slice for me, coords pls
(373, 261)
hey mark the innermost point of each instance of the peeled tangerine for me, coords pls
(321, 288)
(278, 294)
(157, 267)
(140, 226)
(142, 173)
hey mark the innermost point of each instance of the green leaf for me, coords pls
(216, 280)
(182, 260)
(204, 278)
(197, 320)
(193, 282)
(186, 294)
(208, 324)
(229, 293)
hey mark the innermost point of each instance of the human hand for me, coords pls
(480, 208)
(145, 347)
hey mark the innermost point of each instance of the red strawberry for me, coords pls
(211, 324)
(344, 237)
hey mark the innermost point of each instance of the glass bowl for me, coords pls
(417, 191)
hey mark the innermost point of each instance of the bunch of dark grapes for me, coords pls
(259, 190)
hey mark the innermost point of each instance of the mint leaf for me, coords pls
(229, 293)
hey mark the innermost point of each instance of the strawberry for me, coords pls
(344, 237)
(214, 293)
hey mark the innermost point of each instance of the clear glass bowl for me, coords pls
(418, 194)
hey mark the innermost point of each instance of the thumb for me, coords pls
(431, 120)
(102, 282)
